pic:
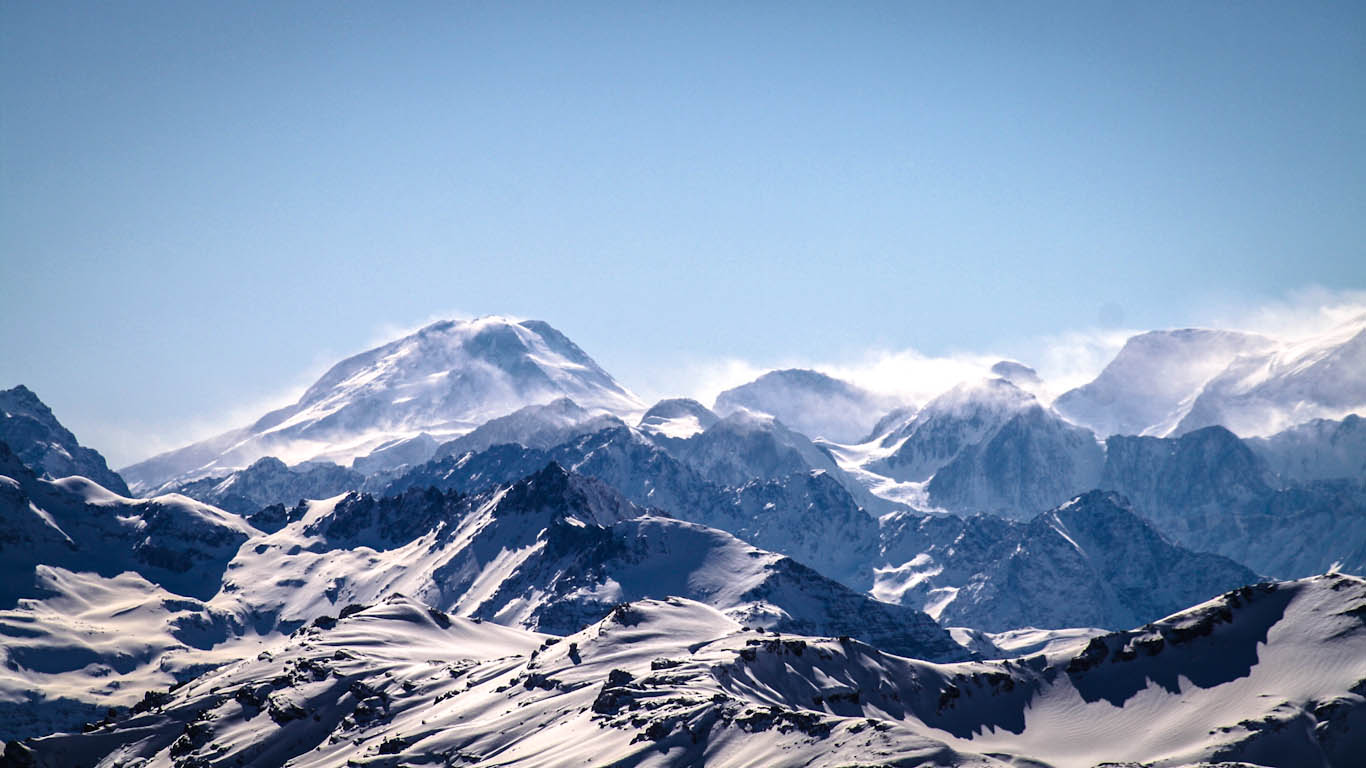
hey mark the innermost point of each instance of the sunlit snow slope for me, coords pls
(1270, 675)
(444, 380)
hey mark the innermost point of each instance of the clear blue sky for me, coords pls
(200, 203)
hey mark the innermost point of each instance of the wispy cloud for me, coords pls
(1063, 361)
(124, 444)
(387, 332)
(1303, 313)
(910, 376)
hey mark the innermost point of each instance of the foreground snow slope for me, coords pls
(101, 596)
(553, 552)
(1270, 675)
(444, 380)
(73, 523)
(94, 642)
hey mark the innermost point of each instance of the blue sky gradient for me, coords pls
(201, 205)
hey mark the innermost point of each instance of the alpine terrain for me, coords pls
(472, 546)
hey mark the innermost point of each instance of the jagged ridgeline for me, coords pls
(461, 545)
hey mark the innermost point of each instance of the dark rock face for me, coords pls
(48, 448)
(963, 417)
(792, 514)
(1211, 492)
(1035, 461)
(1090, 562)
(1208, 490)
(1321, 449)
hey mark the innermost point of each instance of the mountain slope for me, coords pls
(535, 426)
(1211, 492)
(953, 421)
(102, 596)
(445, 380)
(1088, 563)
(746, 446)
(1031, 463)
(553, 551)
(268, 481)
(75, 524)
(1321, 449)
(1319, 377)
(676, 683)
(1151, 376)
(48, 448)
(805, 515)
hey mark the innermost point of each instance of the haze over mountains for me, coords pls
(477, 489)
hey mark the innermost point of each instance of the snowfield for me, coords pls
(1272, 674)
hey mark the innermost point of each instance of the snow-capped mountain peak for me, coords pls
(444, 380)
(810, 402)
(1298, 380)
(960, 417)
(678, 417)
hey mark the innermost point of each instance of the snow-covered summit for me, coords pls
(444, 380)
(1167, 383)
(678, 417)
(812, 403)
(1318, 377)
(961, 417)
(1151, 376)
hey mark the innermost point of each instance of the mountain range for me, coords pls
(482, 492)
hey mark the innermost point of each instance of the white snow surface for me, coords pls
(1271, 675)
(1167, 383)
(444, 380)
(1321, 377)
(817, 405)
